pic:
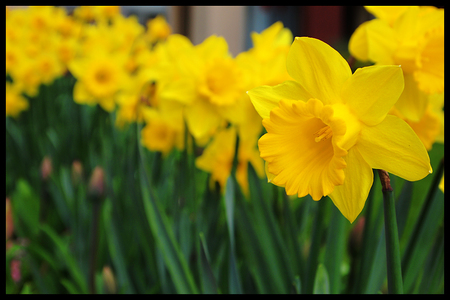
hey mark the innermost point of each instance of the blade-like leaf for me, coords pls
(207, 277)
(234, 280)
(321, 282)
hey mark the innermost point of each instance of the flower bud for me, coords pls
(9, 220)
(97, 183)
(77, 172)
(109, 282)
(46, 168)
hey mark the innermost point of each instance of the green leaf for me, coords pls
(336, 246)
(163, 234)
(115, 248)
(269, 236)
(25, 208)
(207, 277)
(26, 289)
(234, 280)
(70, 261)
(297, 284)
(321, 281)
(70, 286)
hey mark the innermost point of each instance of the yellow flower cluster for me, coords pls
(412, 37)
(36, 51)
(326, 127)
(147, 74)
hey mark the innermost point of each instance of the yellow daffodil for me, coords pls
(208, 83)
(157, 29)
(26, 76)
(159, 134)
(430, 128)
(412, 37)
(15, 102)
(49, 67)
(99, 78)
(441, 183)
(327, 129)
(217, 159)
(263, 64)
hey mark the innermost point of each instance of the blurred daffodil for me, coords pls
(157, 29)
(217, 159)
(15, 102)
(412, 37)
(159, 134)
(208, 83)
(100, 76)
(327, 129)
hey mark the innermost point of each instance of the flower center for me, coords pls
(101, 76)
(299, 149)
(323, 133)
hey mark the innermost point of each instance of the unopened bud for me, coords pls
(97, 183)
(109, 282)
(15, 270)
(46, 168)
(9, 220)
(77, 172)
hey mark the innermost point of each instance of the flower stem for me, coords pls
(94, 247)
(394, 268)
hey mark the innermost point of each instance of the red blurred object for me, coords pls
(323, 22)
(15, 270)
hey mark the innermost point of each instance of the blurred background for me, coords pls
(331, 24)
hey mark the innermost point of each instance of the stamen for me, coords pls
(323, 133)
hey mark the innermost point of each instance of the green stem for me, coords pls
(394, 268)
(313, 256)
(94, 246)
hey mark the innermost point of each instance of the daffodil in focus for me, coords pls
(412, 37)
(328, 128)
(217, 159)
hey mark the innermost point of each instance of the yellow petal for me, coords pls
(182, 90)
(213, 46)
(394, 147)
(265, 97)
(387, 13)
(358, 44)
(202, 118)
(81, 95)
(319, 68)
(430, 77)
(351, 196)
(382, 42)
(372, 91)
(412, 103)
(269, 175)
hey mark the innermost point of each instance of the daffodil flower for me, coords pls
(412, 37)
(328, 128)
